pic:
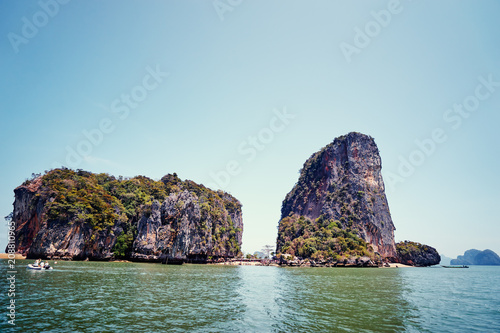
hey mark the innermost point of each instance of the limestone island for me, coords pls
(337, 213)
(477, 257)
(78, 215)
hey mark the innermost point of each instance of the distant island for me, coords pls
(476, 257)
(79, 215)
(445, 260)
(337, 213)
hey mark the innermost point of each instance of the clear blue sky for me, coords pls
(391, 71)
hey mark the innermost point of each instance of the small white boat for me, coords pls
(38, 268)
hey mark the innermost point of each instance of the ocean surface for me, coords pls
(133, 297)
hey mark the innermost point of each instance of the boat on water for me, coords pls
(463, 266)
(39, 268)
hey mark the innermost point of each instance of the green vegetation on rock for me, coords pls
(80, 196)
(407, 247)
(322, 239)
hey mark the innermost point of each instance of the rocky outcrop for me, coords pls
(476, 257)
(79, 215)
(363, 261)
(28, 215)
(182, 228)
(416, 254)
(74, 241)
(340, 183)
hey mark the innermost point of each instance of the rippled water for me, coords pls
(132, 297)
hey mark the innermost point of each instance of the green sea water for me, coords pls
(133, 297)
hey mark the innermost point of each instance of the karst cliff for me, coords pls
(338, 207)
(80, 215)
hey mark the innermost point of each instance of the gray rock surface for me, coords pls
(178, 229)
(343, 182)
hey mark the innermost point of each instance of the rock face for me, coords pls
(181, 228)
(416, 254)
(476, 257)
(342, 182)
(79, 215)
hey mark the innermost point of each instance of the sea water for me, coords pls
(134, 297)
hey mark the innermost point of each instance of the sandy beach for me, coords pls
(6, 256)
(234, 263)
(396, 265)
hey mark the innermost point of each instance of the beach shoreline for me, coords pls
(16, 256)
(226, 263)
(398, 265)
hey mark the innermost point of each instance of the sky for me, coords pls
(237, 95)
